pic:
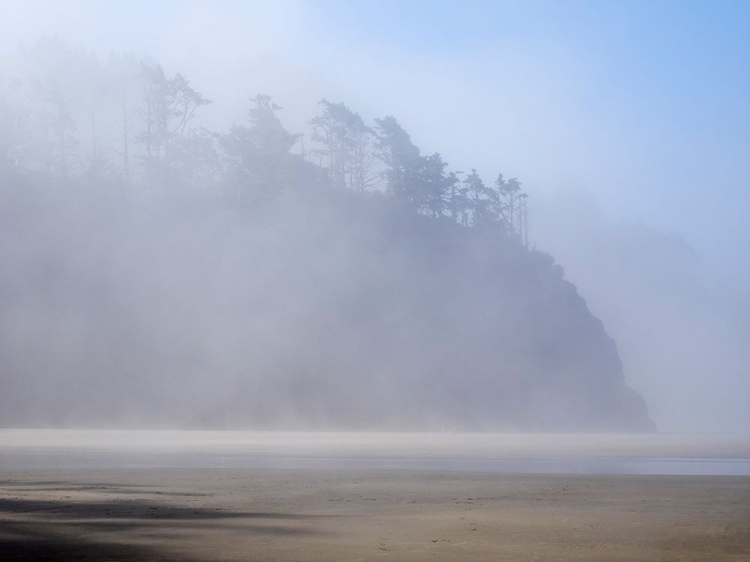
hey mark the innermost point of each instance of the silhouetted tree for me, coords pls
(523, 219)
(433, 185)
(38, 115)
(401, 159)
(508, 191)
(169, 104)
(257, 155)
(458, 202)
(346, 146)
(481, 200)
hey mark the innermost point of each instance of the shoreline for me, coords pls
(684, 445)
(651, 454)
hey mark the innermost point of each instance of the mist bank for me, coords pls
(317, 308)
(158, 273)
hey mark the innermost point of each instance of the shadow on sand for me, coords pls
(143, 529)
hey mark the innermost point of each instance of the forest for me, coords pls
(157, 272)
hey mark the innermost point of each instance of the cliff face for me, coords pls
(327, 312)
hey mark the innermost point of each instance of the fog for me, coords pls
(680, 325)
(527, 453)
(631, 141)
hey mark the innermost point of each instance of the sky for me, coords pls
(639, 109)
(643, 104)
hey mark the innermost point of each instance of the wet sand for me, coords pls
(261, 514)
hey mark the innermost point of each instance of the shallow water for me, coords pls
(651, 454)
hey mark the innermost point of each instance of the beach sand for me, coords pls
(326, 515)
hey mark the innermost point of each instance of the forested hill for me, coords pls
(165, 275)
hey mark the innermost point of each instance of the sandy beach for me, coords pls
(116, 512)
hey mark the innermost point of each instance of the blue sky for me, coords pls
(672, 77)
(675, 75)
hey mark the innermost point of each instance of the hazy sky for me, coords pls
(644, 107)
(643, 104)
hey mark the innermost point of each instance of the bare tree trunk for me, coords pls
(125, 127)
(62, 163)
(94, 152)
(125, 141)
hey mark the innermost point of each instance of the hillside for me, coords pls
(333, 311)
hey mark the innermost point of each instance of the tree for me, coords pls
(458, 202)
(123, 72)
(99, 169)
(125, 124)
(6, 135)
(523, 219)
(507, 191)
(56, 141)
(481, 200)
(200, 161)
(257, 156)
(15, 134)
(419, 183)
(346, 146)
(401, 160)
(433, 185)
(169, 104)
(512, 206)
